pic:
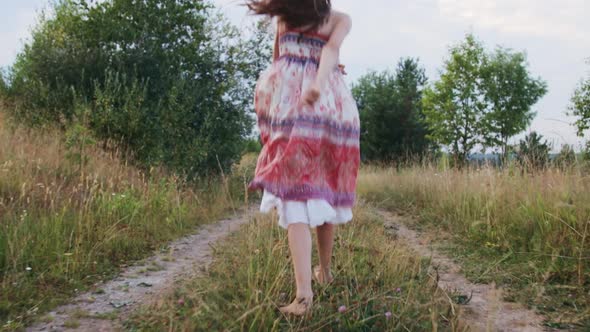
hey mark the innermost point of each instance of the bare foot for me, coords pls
(320, 277)
(301, 306)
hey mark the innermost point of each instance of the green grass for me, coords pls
(64, 228)
(252, 275)
(528, 233)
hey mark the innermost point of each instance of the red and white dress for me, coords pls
(310, 158)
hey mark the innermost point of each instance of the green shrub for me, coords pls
(586, 152)
(3, 85)
(566, 158)
(532, 152)
(167, 80)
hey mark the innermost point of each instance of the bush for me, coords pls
(3, 85)
(585, 153)
(566, 158)
(532, 153)
(252, 146)
(168, 80)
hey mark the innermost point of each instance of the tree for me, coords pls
(585, 155)
(532, 152)
(454, 107)
(167, 79)
(255, 54)
(580, 106)
(510, 92)
(3, 85)
(481, 99)
(566, 157)
(391, 112)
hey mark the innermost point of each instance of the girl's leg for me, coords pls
(325, 234)
(300, 246)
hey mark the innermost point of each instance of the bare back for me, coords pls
(326, 30)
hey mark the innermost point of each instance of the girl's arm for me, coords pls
(329, 58)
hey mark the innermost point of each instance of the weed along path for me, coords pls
(483, 308)
(107, 307)
(110, 304)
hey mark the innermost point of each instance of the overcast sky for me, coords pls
(554, 33)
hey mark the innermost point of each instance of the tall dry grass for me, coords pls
(64, 227)
(379, 286)
(528, 232)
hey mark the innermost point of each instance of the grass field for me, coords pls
(64, 227)
(73, 214)
(529, 233)
(379, 286)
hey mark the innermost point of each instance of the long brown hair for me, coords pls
(308, 14)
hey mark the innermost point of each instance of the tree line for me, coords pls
(171, 82)
(481, 100)
(168, 81)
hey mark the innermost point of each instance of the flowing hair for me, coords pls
(308, 14)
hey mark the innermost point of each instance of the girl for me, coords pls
(309, 127)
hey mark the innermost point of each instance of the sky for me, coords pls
(553, 33)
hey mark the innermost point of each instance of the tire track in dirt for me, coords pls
(142, 284)
(486, 311)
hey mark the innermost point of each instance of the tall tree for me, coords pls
(510, 92)
(580, 106)
(455, 106)
(168, 79)
(391, 112)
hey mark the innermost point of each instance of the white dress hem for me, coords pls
(313, 212)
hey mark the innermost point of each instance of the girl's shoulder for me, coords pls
(340, 16)
(337, 18)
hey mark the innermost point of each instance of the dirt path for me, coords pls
(486, 311)
(140, 284)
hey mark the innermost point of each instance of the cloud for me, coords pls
(564, 19)
(16, 28)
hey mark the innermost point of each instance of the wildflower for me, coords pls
(399, 290)
(342, 309)
(181, 302)
(388, 315)
(28, 268)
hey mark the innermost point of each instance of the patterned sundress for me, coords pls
(310, 157)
